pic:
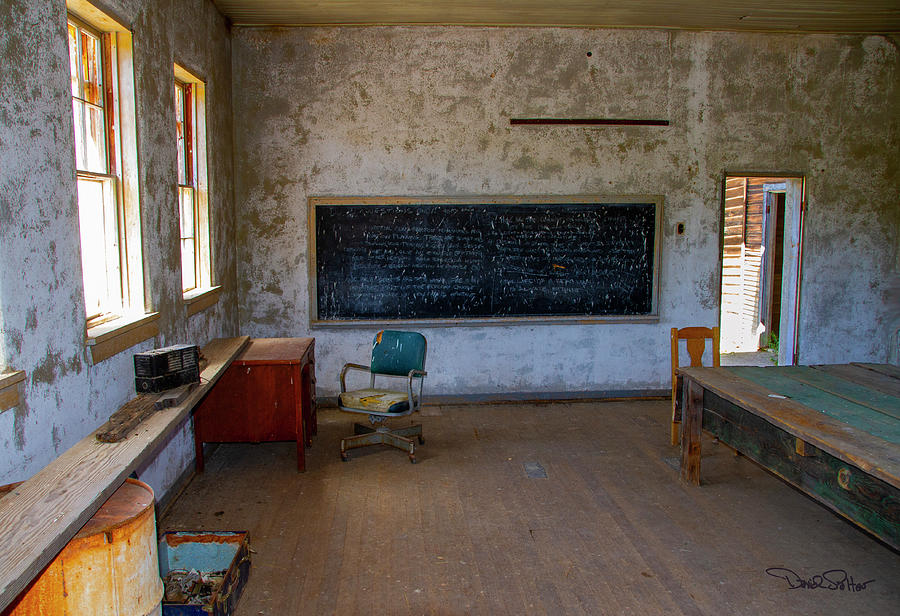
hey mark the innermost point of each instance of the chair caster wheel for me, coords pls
(412, 458)
(421, 441)
(345, 457)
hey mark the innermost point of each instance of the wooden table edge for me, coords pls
(711, 379)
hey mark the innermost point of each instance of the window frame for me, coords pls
(112, 331)
(196, 180)
(187, 190)
(114, 299)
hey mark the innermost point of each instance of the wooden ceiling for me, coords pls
(875, 16)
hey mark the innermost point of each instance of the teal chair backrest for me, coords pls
(397, 353)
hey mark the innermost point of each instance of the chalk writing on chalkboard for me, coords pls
(381, 259)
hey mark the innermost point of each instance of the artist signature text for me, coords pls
(833, 579)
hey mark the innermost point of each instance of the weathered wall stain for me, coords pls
(434, 119)
(425, 111)
(41, 299)
(20, 417)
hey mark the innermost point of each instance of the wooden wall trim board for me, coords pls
(108, 339)
(9, 389)
(9, 398)
(40, 516)
(8, 379)
(200, 301)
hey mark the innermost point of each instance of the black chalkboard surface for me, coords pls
(381, 259)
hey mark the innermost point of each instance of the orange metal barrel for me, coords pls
(109, 567)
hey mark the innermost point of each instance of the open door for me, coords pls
(761, 254)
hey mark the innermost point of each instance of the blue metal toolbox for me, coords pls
(204, 572)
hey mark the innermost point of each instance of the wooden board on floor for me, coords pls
(39, 517)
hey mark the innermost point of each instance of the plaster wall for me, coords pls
(42, 311)
(425, 111)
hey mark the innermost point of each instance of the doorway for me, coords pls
(760, 260)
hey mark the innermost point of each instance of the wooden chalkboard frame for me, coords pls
(549, 200)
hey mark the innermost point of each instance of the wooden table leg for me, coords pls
(198, 448)
(311, 390)
(306, 402)
(691, 427)
(300, 412)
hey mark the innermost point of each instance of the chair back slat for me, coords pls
(396, 353)
(695, 348)
(695, 339)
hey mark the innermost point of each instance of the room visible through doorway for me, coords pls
(761, 250)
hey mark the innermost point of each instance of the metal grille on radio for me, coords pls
(165, 368)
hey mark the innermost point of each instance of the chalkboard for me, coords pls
(382, 259)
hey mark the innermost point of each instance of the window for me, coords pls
(98, 212)
(193, 212)
(101, 77)
(101, 72)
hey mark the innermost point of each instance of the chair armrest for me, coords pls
(349, 367)
(420, 374)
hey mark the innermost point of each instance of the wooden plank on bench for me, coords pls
(127, 418)
(41, 515)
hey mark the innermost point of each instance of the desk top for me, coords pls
(852, 411)
(275, 351)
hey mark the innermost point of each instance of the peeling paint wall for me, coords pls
(425, 111)
(41, 300)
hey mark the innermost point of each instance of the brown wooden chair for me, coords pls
(696, 338)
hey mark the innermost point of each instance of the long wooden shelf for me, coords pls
(40, 516)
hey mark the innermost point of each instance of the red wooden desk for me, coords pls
(268, 393)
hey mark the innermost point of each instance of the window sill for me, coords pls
(115, 336)
(198, 300)
(9, 389)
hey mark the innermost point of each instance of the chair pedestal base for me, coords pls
(401, 438)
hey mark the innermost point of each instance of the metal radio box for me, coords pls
(165, 368)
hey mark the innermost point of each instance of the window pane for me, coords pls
(95, 140)
(179, 133)
(186, 211)
(102, 282)
(90, 57)
(188, 273)
(80, 149)
(73, 59)
(86, 84)
(188, 240)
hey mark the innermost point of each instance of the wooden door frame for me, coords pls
(794, 218)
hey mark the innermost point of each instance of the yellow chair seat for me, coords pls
(375, 401)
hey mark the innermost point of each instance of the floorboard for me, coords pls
(609, 530)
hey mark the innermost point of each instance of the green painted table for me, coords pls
(832, 431)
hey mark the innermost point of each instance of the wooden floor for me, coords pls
(610, 530)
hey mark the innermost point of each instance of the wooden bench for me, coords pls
(39, 517)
